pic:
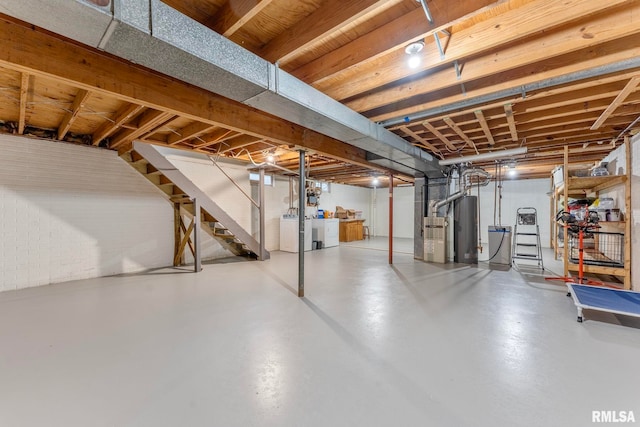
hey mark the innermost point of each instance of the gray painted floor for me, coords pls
(370, 345)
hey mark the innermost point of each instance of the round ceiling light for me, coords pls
(414, 47)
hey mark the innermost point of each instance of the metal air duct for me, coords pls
(152, 34)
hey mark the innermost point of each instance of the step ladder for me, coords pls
(526, 242)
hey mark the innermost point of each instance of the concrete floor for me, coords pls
(370, 345)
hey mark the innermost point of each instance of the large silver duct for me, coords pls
(152, 34)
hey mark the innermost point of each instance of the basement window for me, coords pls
(254, 178)
(324, 186)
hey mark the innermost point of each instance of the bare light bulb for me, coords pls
(413, 61)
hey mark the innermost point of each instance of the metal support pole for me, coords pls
(177, 236)
(419, 212)
(197, 263)
(390, 218)
(301, 204)
(261, 212)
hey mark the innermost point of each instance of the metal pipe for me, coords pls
(465, 187)
(197, 262)
(426, 11)
(451, 198)
(261, 211)
(484, 156)
(626, 129)
(439, 45)
(390, 218)
(301, 203)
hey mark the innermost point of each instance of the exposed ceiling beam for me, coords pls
(235, 143)
(485, 126)
(630, 87)
(386, 38)
(122, 116)
(27, 49)
(420, 140)
(216, 136)
(439, 135)
(512, 123)
(587, 63)
(67, 121)
(333, 15)
(460, 133)
(148, 121)
(234, 14)
(192, 130)
(550, 44)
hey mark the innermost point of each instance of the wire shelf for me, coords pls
(600, 248)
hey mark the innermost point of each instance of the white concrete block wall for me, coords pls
(71, 212)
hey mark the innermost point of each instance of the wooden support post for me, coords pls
(628, 214)
(183, 244)
(565, 182)
(390, 218)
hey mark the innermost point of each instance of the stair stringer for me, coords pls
(168, 169)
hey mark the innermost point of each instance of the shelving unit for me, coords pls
(580, 187)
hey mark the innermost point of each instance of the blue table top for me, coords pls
(607, 298)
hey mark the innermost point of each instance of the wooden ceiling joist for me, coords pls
(125, 114)
(148, 122)
(236, 143)
(217, 136)
(439, 135)
(27, 49)
(552, 44)
(460, 133)
(508, 110)
(485, 126)
(192, 130)
(421, 141)
(333, 15)
(630, 87)
(234, 14)
(78, 104)
(389, 37)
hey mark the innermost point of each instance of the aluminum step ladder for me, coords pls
(526, 242)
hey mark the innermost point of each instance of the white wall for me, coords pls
(515, 194)
(349, 197)
(72, 212)
(403, 201)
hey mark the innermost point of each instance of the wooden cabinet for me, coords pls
(351, 229)
(580, 187)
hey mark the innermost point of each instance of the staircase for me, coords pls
(526, 242)
(179, 189)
